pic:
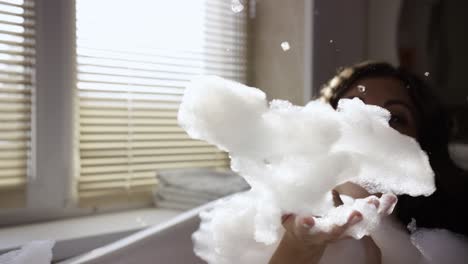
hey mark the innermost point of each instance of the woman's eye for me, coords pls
(397, 120)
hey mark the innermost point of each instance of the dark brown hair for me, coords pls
(440, 209)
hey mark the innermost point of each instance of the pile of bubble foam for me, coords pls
(292, 157)
(38, 252)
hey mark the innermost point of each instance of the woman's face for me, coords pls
(390, 94)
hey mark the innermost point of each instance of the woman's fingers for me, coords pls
(388, 202)
(309, 230)
(301, 227)
(304, 225)
(285, 217)
(354, 218)
(336, 198)
(288, 222)
(373, 200)
(338, 230)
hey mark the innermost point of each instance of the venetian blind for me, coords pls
(16, 80)
(134, 59)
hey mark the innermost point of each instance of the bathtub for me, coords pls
(169, 242)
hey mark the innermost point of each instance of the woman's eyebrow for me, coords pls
(398, 102)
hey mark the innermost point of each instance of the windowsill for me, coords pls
(75, 236)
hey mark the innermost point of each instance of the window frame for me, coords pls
(49, 187)
(54, 154)
(55, 164)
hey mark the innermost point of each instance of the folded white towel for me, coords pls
(220, 183)
(189, 188)
(180, 197)
(169, 191)
(176, 205)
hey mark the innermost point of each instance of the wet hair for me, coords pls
(440, 210)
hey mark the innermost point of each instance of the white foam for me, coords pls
(292, 157)
(38, 252)
(285, 46)
(237, 6)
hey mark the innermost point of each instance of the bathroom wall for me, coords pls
(322, 38)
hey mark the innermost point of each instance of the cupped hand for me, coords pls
(302, 227)
(304, 242)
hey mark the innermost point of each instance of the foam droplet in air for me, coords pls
(361, 88)
(285, 46)
(237, 6)
(331, 40)
(412, 227)
(426, 74)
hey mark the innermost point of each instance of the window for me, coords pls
(134, 60)
(17, 51)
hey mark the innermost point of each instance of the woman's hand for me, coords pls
(302, 244)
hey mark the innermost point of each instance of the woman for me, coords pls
(415, 113)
